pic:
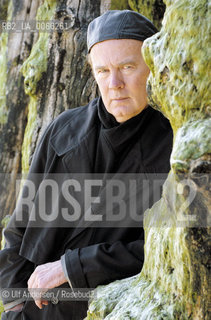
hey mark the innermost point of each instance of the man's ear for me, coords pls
(88, 58)
(89, 61)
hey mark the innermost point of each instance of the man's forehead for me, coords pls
(118, 52)
(117, 44)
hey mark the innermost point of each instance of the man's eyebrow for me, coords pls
(127, 61)
(124, 62)
(99, 67)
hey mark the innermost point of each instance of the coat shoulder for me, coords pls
(69, 116)
(157, 142)
(71, 126)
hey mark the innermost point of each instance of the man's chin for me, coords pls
(121, 112)
(122, 118)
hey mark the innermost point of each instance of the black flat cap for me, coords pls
(119, 24)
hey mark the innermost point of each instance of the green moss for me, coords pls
(33, 69)
(143, 6)
(31, 124)
(3, 77)
(152, 9)
(162, 290)
(3, 9)
(119, 5)
(3, 69)
(162, 267)
(174, 282)
(36, 64)
(138, 300)
(191, 143)
(4, 223)
(179, 82)
(1, 307)
(108, 297)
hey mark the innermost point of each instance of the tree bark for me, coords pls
(42, 74)
(45, 73)
(15, 48)
(174, 281)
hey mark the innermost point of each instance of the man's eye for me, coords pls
(101, 71)
(126, 67)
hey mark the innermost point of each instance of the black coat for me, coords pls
(94, 255)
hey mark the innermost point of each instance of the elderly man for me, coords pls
(116, 133)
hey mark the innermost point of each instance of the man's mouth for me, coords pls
(119, 99)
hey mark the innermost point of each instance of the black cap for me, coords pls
(119, 24)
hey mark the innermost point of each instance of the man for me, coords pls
(116, 134)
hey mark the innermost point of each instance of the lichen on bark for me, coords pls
(3, 81)
(119, 5)
(31, 123)
(36, 64)
(174, 281)
(33, 70)
(152, 9)
(3, 66)
(179, 78)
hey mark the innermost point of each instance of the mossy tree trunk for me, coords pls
(14, 49)
(41, 75)
(174, 283)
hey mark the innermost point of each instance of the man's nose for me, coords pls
(116, 80)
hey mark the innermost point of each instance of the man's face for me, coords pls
(121, 75)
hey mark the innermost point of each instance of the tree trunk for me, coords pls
(174, 281)
(15, 48)
(42, 74)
